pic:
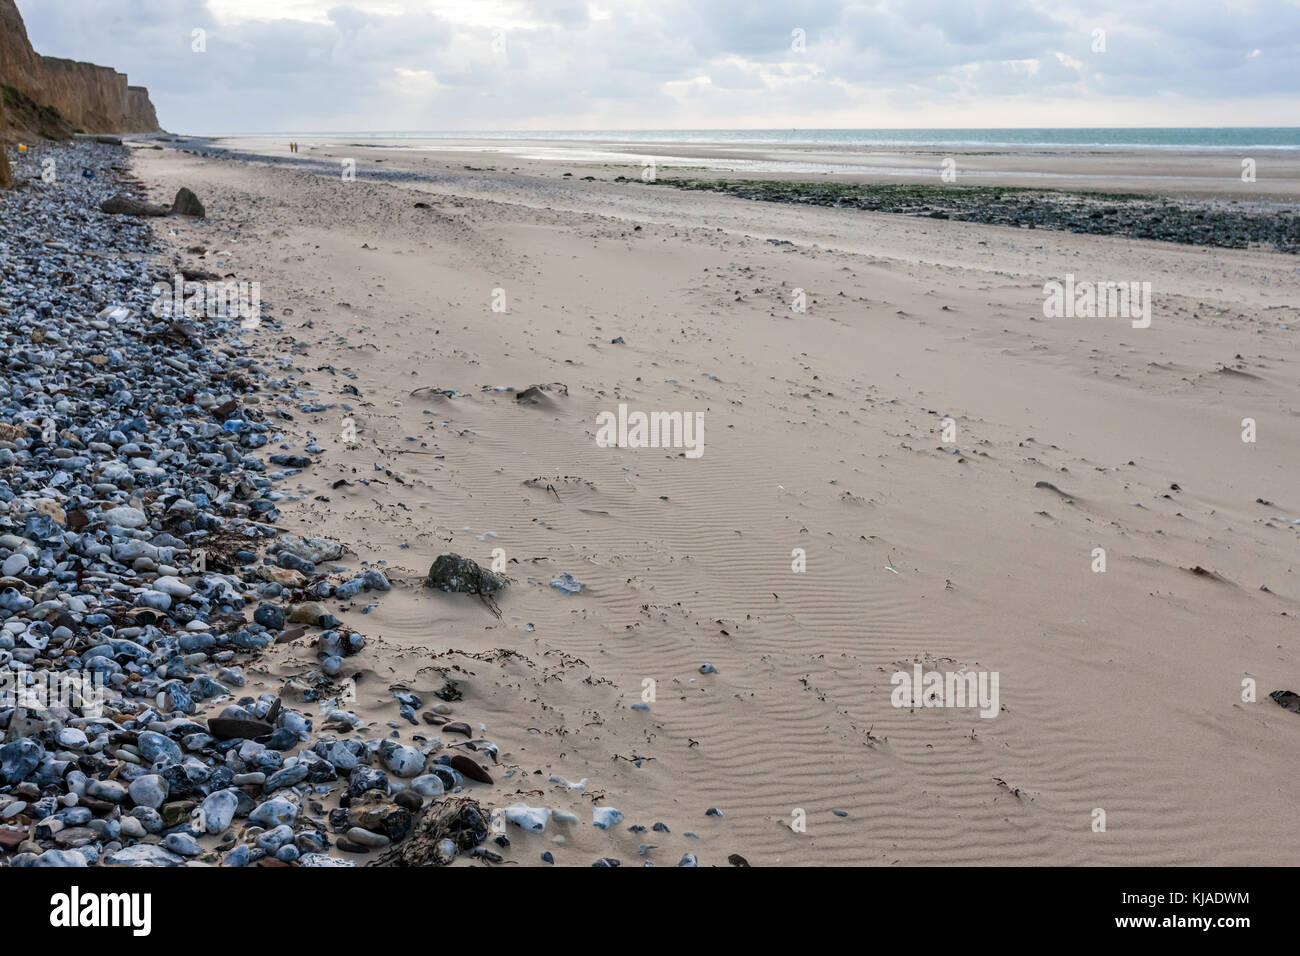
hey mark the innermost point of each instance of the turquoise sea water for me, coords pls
(1189, 137)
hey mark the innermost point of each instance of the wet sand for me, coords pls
(1191, 173)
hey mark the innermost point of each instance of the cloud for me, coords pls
(555, 64)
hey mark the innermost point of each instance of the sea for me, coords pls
(1158, 137)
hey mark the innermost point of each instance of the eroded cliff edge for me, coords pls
(51, 97)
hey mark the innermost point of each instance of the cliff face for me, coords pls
(6, 174)
(140, 115)
(53, 97)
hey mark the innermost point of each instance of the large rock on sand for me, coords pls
(187, 204)
(459, 575)
(124, 205)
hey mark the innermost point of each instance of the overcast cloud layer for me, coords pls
(304, 65)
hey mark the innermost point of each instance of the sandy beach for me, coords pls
(1196, 173)
(915, 468)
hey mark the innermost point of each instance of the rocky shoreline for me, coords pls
(1225, 224)
(142, 459)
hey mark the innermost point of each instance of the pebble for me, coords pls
(182, 844)
(144, 854)
(274, 812)
(469, 767)
(148, 791)
(365, 838)
(156, 748)
(173, 587)
(72, 738)
(272, 840)
(409, 800)
(400, 759)
(529, 818)
(567, 583)
(450, 777)
(428, 785)
(60, 858)
(125, 517)
(605, 817)
(109, 790)
(139, 511)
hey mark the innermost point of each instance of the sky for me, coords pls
(448, 65)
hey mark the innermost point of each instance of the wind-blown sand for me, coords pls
(1120, 691)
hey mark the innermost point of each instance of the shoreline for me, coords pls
(1191, 175)
(1229, 220)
